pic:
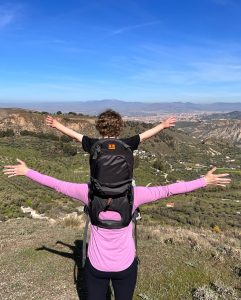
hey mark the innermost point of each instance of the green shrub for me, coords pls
(69, 150)
(8, 132)
(65, 139)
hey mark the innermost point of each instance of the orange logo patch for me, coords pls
(111, 146)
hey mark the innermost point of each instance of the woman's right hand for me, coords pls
(50, 121)
(16, 170)
(217, 179)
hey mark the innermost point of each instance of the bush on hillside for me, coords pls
(40, 135)
(8, 132)
(217, 291)
(69, 150)
(65, 139)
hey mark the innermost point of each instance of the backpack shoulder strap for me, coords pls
(94, 146)
(85, 236)
(135, 217)
(122, 143)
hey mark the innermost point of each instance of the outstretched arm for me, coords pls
(73, 190)
(50, 121)
(144, 195)
(167, 123)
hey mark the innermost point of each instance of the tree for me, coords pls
(160, 165)
(69, 150)
(65, 139)
(8, 132)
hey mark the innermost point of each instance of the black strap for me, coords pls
(135, 233)
(85, 240)
(135, 218)
(135, 230)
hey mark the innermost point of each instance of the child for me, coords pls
(111, 166)
(109, 124)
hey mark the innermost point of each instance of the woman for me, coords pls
(111, 252)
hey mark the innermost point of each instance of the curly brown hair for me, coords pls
(109, 123)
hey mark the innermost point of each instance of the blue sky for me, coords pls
(135, 50)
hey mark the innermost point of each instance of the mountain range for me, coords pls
(127, 108)
(225, 126)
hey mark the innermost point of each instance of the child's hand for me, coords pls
(50, 121)
(16, 170)
(169, 122)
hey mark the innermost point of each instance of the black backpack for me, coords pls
(110, 188)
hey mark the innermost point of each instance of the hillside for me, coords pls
(227, 129)
(172, 155)
(233, 115)
(222, 130)
(176, 263)
(195, 244)
(20, 119)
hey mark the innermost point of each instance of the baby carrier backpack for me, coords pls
(110, 188)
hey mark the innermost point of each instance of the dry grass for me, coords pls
(37, 261)
(74, 220)
(177, 261)
(197, 239)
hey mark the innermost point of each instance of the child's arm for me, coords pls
(169, 122)
(50, 121)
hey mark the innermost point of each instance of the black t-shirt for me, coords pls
(133, 142)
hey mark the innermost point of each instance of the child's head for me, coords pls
(109, 123)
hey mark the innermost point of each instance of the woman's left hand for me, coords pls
(16, 170)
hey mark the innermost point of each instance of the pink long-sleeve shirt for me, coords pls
(113, 250)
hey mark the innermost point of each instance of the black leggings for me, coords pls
(123, 282)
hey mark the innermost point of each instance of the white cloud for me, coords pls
(5, 19)
(133, 27)
(8, 14)
(189, 65)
